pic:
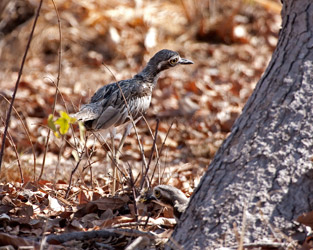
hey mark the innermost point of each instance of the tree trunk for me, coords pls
(261, 179)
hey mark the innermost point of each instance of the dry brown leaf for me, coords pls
(306, 219)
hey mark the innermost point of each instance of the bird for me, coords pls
(119, 103)
(107, 106)
(170, 196)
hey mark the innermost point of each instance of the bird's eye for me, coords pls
(157, 193)
(173, 61)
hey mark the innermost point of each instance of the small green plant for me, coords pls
(63, 123)
(60, 127)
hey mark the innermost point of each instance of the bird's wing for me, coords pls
(104, 92)
(107, 106)
(109, 117)
(131, 89)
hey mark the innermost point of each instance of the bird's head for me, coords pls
(165, 59)
(169, 196)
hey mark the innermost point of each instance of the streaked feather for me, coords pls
(107, 106)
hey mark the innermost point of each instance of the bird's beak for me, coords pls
(185, 61)
(151, 198)
(147, 199)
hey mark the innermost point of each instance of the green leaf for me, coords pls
(64, 115)
(67, 117)
(56, 134)
(63, 123)
(51, 123)
(72, 120)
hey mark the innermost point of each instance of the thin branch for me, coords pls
(132, 224)
(75, 146)
(59, 160)
(71, 177)
(74, 170)
(150, 131)
(89, 165)
(52, 238)
(56, 90)
(156, 164)
(243, 230)
(111, 153)
(17, 83)
(154, 141)
(16, 154)
(26, 130)
(132, 185)
(150, 158)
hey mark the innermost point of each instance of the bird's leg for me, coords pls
(115, 163)
(116, 155)
(117, 152)
(129, 126)
(121, 144)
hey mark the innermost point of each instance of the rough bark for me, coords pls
(264, 169)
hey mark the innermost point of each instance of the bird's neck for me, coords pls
(150, 74)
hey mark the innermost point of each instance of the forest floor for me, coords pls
(192, 111)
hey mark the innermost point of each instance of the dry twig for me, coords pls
(56, 89)
(17, 83)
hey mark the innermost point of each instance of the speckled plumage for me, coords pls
(107, 107)
(172, 197)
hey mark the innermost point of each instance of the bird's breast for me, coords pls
(139, 105)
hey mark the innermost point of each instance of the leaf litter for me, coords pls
(231, 44)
